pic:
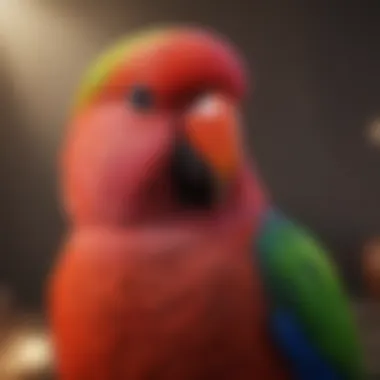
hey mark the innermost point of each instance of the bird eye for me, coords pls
(141, 97)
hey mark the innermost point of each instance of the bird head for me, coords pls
(155, 130)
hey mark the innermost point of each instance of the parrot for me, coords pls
(176, 264)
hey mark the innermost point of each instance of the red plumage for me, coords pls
(159, 304)
(145, 289)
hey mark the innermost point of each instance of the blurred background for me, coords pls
(313, 122)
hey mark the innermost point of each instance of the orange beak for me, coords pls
(211, 128)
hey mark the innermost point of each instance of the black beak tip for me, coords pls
(193, 182)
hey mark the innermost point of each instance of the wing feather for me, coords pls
(301, 280)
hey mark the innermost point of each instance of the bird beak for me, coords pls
(207, 154)
(211, 128)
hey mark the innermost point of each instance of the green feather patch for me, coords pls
(299, 276)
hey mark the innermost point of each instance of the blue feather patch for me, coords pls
(305, 360)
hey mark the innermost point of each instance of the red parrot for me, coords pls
(158, 278)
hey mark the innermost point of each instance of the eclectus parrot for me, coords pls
(177, 266)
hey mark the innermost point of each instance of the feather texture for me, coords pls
(310, 316)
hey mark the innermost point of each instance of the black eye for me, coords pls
(141, 97)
